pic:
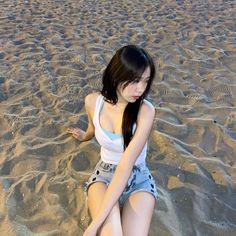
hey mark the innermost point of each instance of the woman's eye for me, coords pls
(142, 80)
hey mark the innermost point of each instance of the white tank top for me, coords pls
(111, 149)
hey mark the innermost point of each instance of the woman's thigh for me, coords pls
(137, 211)
(112, 224)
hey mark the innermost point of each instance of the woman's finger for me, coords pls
(76, 136)
(69, 130)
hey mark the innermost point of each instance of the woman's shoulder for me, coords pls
(147, 110)
(146, 105)
(90, 99)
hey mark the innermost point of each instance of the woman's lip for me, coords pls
(135, 97)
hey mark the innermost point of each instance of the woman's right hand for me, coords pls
(77, 133)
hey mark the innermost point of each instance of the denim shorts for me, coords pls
(139, 180)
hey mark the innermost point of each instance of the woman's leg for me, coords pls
(112, 225)
(137, 214)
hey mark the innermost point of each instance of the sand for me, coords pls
(53, 53)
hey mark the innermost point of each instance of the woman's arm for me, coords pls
(125, 166)
(89, 133)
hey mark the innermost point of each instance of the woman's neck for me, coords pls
(121, 101)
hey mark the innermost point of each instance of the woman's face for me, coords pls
(135, 89)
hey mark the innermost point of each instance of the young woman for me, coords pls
(121, 190)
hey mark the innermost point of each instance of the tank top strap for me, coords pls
(98, 106)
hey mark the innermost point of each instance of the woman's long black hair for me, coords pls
(127, 65)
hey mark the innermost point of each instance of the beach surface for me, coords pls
(53, 53)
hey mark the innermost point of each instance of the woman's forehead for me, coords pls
(146, 73)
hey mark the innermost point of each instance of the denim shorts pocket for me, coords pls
(106, 167)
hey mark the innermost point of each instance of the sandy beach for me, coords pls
(53, 53)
